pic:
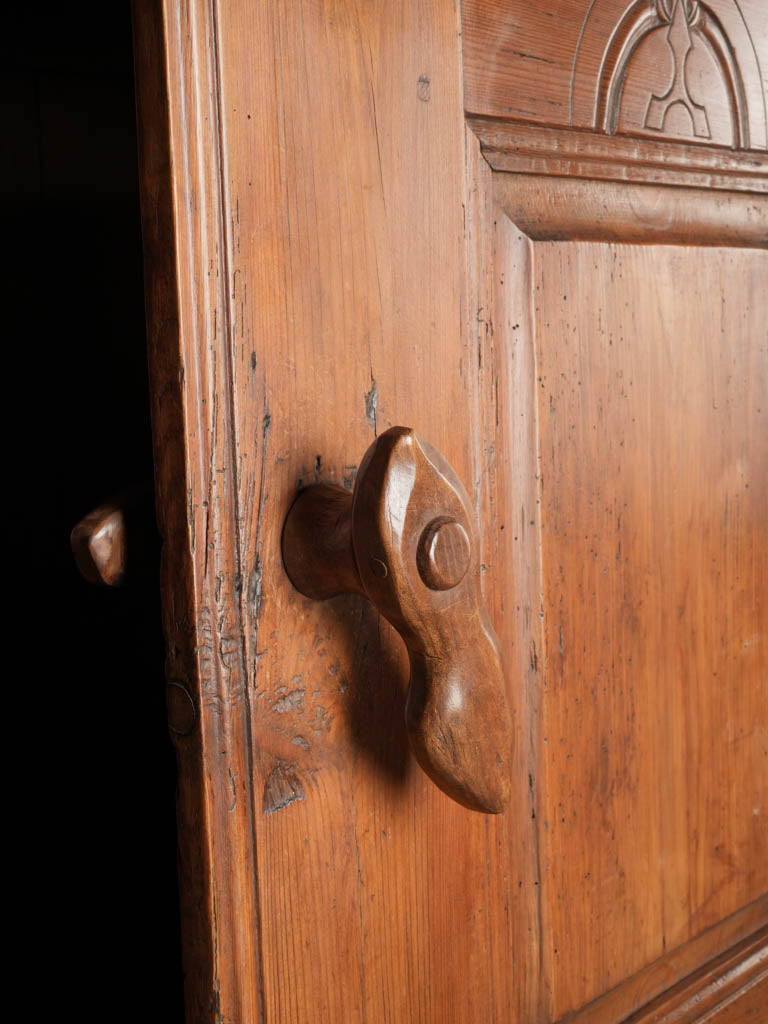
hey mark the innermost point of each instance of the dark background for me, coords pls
(96, 766)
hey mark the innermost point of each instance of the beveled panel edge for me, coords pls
(718, 985)
(567, 152)
(579, 209)
(733, 951)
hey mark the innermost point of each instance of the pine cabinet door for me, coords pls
(534, 234)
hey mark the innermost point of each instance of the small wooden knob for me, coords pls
(98, 544)
(444, 554)
(118, 540)
(405, 539)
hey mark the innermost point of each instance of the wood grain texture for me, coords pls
(516, 331)
(692, 968)
(678, 69)
(562, 152)
(325, 258)
(652, 439)
(170, 449)
(732, 986)
(310, 272)
(603, 211)
(190, 365)
(573, 91)
(406, 540)
(505, 495)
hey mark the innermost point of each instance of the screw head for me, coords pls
(443, 554)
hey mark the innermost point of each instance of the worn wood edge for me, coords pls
(172, 226)
(700, 965)
(606, 211)
(568, 152)
(719, 984)
(204, 244)
(168, 424)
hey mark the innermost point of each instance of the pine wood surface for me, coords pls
(310, 273)
(595, 65)
(682, 978)
(328, 255)
(733, 987)
(652, 434)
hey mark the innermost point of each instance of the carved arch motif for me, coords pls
(609, 47)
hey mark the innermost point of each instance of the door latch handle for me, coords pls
(405, 538)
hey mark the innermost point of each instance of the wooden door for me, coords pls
(534, 233)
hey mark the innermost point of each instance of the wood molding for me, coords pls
(318, 273)
(719, 985)
(533, 149)
(506, 446)
(694, 980)
(690, 72)
(606, 211)
(611, 46)
(185, 228)
(610, 927)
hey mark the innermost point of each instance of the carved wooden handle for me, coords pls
(405, 538)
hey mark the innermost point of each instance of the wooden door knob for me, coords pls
(118, 541)
(406, 539)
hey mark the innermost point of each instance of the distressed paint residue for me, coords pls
(282, 788)
(371, 403)
(289, 701)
